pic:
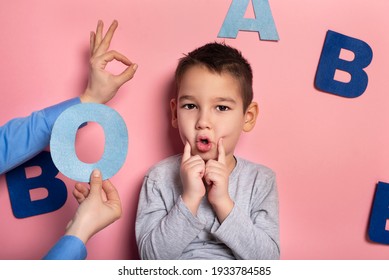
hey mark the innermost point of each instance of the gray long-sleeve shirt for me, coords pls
(166, 229)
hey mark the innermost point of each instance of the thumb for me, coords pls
(96, 182)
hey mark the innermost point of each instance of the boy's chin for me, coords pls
(207, 156)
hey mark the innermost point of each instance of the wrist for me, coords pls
(86, 96)
(192, 203)
(78, 231)
(223, 208)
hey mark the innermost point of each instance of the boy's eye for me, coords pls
(222, 108)
(189, 106)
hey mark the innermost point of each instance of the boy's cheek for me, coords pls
(185, 138)
(185, 132)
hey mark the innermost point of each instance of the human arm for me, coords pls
(166, 221)
(99, 207)
(192, 171)
(249, 236)
(68, 247)
(23, 138)
(164, 225)
(254, 233)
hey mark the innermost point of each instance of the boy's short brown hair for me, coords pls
(220, 58)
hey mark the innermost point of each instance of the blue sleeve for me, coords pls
(68, 247)
(23, 138)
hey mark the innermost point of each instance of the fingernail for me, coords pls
(134, 67)
(96, 173)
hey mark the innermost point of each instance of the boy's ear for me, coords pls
(173, 109)
(250, 117)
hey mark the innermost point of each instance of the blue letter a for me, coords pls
(330, 62)
(263, 23)
(19, 187)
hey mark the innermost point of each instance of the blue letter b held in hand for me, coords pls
(330, 62)
(62, 143)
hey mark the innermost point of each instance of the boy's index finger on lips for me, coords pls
(187, 152)
(221, 152)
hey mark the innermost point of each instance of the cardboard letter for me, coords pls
(19, 187)
(330, 62)
(263, 23)
(380, 215)
(62, 143)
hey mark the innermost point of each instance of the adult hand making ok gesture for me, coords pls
(102, 85)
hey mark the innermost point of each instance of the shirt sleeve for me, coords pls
(163, 233)
(23, 138)
(69, 247)
(254, 236)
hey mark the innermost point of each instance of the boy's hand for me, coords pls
(192, 173)
(216, 177)
(102, 85)
(99, 207)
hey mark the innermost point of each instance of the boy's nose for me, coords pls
(203, 121)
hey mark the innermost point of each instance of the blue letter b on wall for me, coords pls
(330, 62)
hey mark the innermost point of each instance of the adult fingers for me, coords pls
(103, 45)
(80, 191)
(113, 198)
(110, 191)
(99, 35)
(92, 39)
(127, 74)
(96, 182)
(78, 196)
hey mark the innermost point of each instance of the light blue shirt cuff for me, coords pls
(69, 247)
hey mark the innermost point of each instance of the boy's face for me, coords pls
(208, 107)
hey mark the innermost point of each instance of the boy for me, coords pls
(207, 203)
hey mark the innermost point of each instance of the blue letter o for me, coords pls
(62, 143)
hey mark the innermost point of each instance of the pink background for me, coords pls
(328, 152)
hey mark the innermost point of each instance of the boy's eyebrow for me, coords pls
(225, 99)
(186, 97)
(218, 99)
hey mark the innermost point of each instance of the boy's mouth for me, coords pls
(203, 144)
